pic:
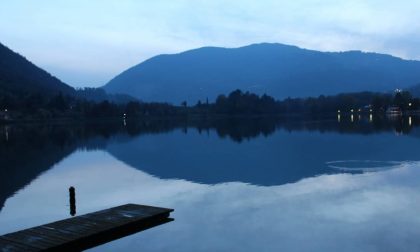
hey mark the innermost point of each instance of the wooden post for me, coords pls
(72, 194)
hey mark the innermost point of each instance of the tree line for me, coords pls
(37, 106)
(44, 107)
(239, 102)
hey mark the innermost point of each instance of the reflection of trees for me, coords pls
(240, 129)
(28, 150)
(357, 126)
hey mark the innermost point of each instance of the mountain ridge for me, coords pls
(19, 75)
(276, 69)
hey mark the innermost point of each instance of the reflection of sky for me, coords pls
(369, 212)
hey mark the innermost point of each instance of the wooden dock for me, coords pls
(86, 231)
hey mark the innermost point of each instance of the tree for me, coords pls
(58, 102)
(402, 100)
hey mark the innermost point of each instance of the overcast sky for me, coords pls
(86, 43)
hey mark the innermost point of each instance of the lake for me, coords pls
(238, 184)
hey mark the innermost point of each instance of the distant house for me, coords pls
(394, 110)
(367, 109)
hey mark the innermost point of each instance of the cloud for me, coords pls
(98, 39)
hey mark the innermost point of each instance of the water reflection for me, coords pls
(261, 151)
(355, 166)
(340, 212)
(6, 132)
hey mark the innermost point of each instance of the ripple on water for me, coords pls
(364, 165)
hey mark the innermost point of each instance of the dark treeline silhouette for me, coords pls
(99, 95)
(239, 102)
(42, 107)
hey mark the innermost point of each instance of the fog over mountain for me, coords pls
(19, 75)
(276, 69)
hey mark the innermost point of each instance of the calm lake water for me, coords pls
(256, 184)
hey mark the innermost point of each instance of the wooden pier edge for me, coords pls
(86, 231)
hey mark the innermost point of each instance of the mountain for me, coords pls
(18, 75)
(99, 95)
(276, 69)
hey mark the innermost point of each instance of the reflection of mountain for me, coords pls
(287, 156)
(30, 150)
(24, 156)
(198, 150)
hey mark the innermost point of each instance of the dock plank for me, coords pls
(86, 231)
(10, 246)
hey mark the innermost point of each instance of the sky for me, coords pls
(87, 43)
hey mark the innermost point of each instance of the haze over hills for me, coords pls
(276, 69)
(18, 75)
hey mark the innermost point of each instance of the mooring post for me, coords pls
(72, 193)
